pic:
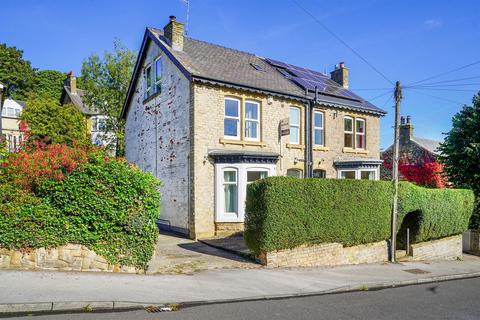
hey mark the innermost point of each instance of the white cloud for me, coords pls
(432, 23)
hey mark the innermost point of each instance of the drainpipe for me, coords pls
(308, 136)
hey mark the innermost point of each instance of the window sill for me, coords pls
(153, 96)
(242, 142)
(355, 151)
(320, 148)
(295, 146)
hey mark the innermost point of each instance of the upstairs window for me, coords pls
(360, 134)
(348, 132)
(231, 122)
(318, 132)
(158, 74)
(294, 125)
(252, 121)
(148, 81)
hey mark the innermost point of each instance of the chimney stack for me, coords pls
(340, 75)
(406, 130)
(71, 82)
(173, 31)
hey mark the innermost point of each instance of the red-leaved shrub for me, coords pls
(28, 167)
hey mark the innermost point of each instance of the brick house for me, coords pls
(412, 149)
(208, 120)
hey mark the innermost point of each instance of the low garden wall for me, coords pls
(449, 248)
(471, 242)
(305, 222)
(325, 254)
(71, 257)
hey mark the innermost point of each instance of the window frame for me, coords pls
(299, 171)
(367, 170)
(158, 82)
(322, 128)
(355, 172)
(245, 119)
(361, 133)
(358, 173)
(352, 133)
(228, 183)
(295, 126)
(148, 78)
(238, 118)
(323, 171)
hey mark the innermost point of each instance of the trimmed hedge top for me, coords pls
(285, 212)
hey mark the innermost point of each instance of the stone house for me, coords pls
(10, 118)
(412, 149)
(208, 120)
(96, 121)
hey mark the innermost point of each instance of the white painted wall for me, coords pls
(157, 138)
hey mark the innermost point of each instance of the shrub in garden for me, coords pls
(285, 212)
(76, 195)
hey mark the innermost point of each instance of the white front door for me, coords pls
(231, 182)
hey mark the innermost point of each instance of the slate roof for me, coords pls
(428, 144)
(211, 63)
(77, 101)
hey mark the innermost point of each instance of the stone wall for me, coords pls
(449, 248)
(71, 257)
(228, 228)
(325, 254)
(471, 242)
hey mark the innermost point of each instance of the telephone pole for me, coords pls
(393, 242)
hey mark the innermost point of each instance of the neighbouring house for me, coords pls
(412, 150)
(208, 120)
(95, 120)
(11, 123)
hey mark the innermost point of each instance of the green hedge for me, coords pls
(438, 212)
(109, 206)
(285, 212)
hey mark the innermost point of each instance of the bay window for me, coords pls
(294, 125)
(230, 191)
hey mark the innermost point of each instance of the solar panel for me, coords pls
(309, 80)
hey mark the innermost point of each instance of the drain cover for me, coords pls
(155, 309)
(416, 271)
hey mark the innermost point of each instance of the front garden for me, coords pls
(56, 194)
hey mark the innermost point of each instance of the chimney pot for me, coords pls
(340, 75)
(409, 119)
(173, 31)
(402, 120)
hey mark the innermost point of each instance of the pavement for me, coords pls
(23, 291)
(446, 300)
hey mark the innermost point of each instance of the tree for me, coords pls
(105, 81)
(16, 73)
(48, 84)
(47, 122)
(460, 152)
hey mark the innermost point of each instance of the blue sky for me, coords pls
(407, 40)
